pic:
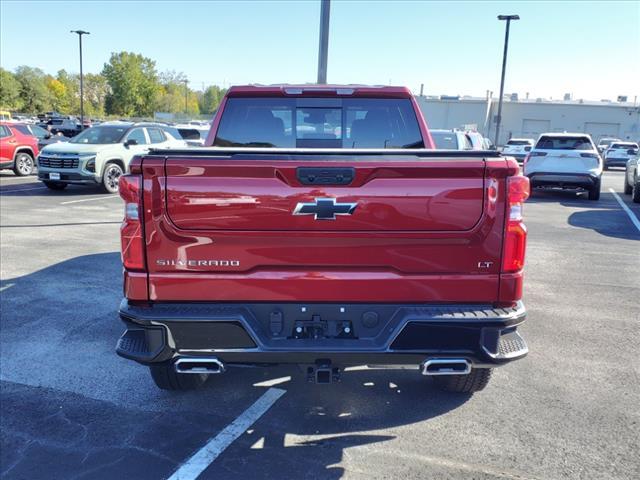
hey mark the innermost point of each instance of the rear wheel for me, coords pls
(594, 192)
(23, 164)
(474, 381)
(635, 193)
(166, 378)
(110, 177)
(55, 185)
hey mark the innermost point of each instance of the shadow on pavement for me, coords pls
(71, 407)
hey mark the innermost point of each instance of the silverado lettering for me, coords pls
(198, 263)
(421, 263)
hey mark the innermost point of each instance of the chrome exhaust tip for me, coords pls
(199, 365)
(446, 366)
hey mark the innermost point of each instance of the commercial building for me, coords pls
(531, 117)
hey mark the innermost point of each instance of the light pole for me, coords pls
(508, 18)
(80, 33)
(323, 46)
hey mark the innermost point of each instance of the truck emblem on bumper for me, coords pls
(325, 208)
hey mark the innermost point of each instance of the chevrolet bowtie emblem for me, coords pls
(325, 208)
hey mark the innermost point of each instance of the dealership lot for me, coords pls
(72, 408)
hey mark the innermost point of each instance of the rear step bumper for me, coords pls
(343, 334)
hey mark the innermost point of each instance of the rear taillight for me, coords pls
(533, 154)
(515, 239)
(131, 235)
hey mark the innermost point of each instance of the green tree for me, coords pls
(96, 90)
(34, 93)
(58, 93)
(211, 98)
(71, 83)
(133, 83)
(9, 91)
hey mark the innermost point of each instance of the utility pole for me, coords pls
(323, 46)
(508, 18)
(80, 33)
(186, 95)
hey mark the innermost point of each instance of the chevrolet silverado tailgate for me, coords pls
(273, 226)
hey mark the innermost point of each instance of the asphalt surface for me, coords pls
(70, 408)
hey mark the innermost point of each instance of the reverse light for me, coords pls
(515, 239)
(131, 235)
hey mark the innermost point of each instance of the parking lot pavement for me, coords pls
(70, 408)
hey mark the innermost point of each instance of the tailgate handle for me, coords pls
(325, 176)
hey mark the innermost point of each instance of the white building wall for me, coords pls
(529, 119)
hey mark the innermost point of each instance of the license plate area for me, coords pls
(54, 176)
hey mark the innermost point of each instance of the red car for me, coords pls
(18, 151)
(320, 227)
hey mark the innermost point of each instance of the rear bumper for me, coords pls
(563, 180)
(616, 162)
(344, 334)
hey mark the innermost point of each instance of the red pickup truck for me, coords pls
(319, 227)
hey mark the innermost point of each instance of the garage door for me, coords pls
(533, 128)
(600, 130)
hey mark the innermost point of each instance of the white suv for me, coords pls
(618, 154)
(518, 148)
(567, 161)
(99, 155)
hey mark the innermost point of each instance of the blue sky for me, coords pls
(590, 49)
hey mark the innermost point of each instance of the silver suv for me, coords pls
(566, 161)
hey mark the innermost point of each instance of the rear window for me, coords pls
(189, 133)
(564, 143)
(319, 123)
(626, 146)
(518, 142)
(445, 140)
(23, 129)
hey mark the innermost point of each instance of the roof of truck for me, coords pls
(330, 90)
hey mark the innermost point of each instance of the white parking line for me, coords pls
(198, 463)
(110, 197)
(633, 218)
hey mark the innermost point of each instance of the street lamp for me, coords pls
(80, 33)
(508, 18)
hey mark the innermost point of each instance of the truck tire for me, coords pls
(627, 188)
(23, 164)
(594, 192)
(55, 185)
(472, 382)
(635, 192)
(166, 378)
(110, 177)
